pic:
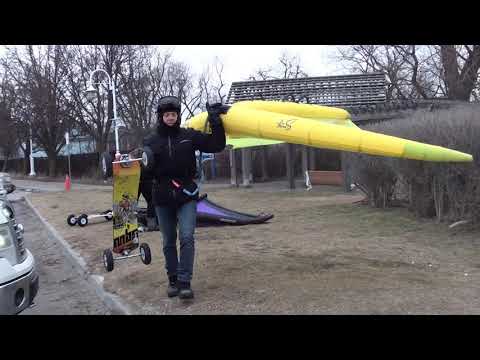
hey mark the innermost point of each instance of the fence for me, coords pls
(87, 165)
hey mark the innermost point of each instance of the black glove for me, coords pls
(214, 112)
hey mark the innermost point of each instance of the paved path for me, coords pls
(63, 290)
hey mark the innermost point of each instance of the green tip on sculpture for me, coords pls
(419, 151)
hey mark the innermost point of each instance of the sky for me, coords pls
(240, 61)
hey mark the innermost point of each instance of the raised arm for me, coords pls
(216, 141)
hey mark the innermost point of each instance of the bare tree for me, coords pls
(289, 67)
(210, 88)
(94, 117)
(142, 75)
(460, 70)
(141, 79)
(179, 81)
(19, 110)
(90, 116)
(40, 73)
(415, 71)
(8, 143)
(211, 83)
(193, 97)
(402, 66)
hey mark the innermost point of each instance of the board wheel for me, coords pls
(145, 253)
(83, 220)
(72, 220)
(106, 165)
(108, 260)
(147, 158)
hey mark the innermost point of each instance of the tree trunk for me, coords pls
(26, 157)
(101, 146)
(245, 167)
(233, 168)
(450, 69)
(460, 82)
(139, 136)
(264, 158)
(52, 164)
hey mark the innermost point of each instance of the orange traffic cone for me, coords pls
(67, 183)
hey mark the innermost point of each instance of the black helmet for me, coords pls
(166, 104)
(169, 103)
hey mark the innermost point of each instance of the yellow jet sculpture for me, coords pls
(253, 123)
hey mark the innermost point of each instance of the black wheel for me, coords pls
(83, 220)
(72, 220)
(145, 253)
(106, 165)
(108, 260)
(147, 158)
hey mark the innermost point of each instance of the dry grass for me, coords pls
(321, 254)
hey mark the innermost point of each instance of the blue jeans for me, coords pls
(186, 217)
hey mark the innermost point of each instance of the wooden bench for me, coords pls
(318, 177)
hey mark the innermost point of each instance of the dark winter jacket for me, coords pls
(174, 159)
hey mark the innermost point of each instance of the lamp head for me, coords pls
(91, 92)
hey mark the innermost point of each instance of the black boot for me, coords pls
(172, 289)
(185, 291)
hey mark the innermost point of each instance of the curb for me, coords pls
(113, 302)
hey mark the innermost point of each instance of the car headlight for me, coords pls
(5, 237)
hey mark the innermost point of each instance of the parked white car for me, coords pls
(6, 182)
(18, 276)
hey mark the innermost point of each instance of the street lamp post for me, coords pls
(91, 92)
(67, 142)
(32, 164)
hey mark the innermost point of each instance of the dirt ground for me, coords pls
(322, 253)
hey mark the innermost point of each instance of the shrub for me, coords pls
(449, 191)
